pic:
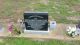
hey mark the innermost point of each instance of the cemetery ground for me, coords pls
(64, 12)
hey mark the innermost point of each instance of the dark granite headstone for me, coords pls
(36, 21)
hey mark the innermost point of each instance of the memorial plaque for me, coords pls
(36, 21)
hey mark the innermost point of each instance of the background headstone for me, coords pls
(1, 28)
(52, 25)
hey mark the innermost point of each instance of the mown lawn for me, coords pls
(27, 41)
(58, 9)
(61, 9)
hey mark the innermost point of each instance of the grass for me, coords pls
(58, 9)
(61, 9)
(27, 41)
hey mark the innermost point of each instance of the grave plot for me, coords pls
(36, 21)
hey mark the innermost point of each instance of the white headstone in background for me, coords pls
(52, 25)
(77, 31)
(1, 28)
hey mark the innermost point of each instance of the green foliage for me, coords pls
(40, 7)
(16, 30)
(26, 41)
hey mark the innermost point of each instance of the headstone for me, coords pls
(52, 25)
(36, 21)
(1, 28)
